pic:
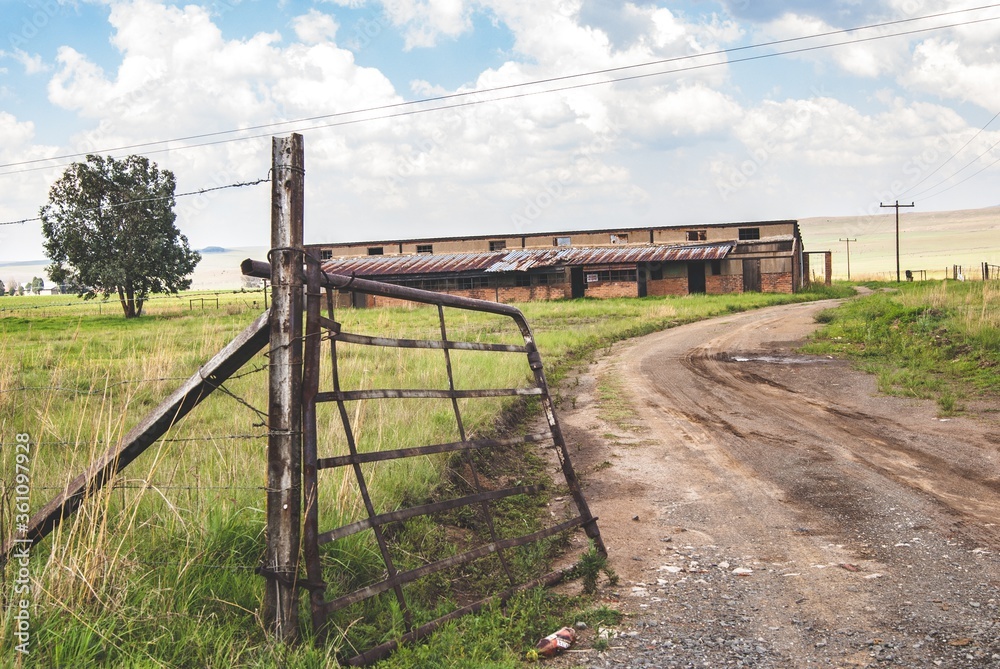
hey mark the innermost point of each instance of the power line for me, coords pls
(938, 168)
(125, 203)
(538, 82)
(962, 169)
(974, 174)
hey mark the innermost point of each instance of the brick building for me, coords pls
(670, 260)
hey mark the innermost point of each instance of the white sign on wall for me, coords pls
(592, 278)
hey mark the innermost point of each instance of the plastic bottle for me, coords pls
(556, 642)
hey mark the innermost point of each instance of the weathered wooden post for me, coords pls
(284, 443)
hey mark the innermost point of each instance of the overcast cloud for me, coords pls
(828, 132)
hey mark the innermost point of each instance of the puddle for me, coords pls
(772, 359)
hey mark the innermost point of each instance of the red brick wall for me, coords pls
(506, 294)
(605, 289)
(660, 287)
(777, 283)
(533, 293)
(724, 283)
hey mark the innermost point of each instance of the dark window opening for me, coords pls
(548, 279)
(747, 234)
(451, 283)
(656, 273)
(522, 279)
(716, 267)
(696, 235)
(425, 248)
(374, 250)
(498, 245)
(325, 254)
(625, 275)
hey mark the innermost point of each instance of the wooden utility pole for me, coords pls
(897, 206)
(848, 256)
(284, 442)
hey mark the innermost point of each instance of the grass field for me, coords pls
(935, 340)
(157, 571)
(929, 240)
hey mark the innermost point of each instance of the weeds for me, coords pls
(589, 568)
(931, 340)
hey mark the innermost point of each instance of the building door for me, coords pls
(696, 277)
(751, 275)
(577, 286)
(641, 274)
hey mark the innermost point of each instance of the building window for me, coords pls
(620, 238)
(548, 279)
(425, 248)
(621, 275)
(325, 254)
(561, 241)
(716, 267)
(374, 250)
(747, 234)
(498, 245)
(696, 235)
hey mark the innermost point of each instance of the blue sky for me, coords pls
(830, 132)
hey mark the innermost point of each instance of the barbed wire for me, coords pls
(165, 440)
(125, 382)
(114, 205)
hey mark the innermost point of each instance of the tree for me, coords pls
(109, 228)
(3, 289)
(37, 285)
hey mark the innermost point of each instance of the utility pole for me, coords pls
(284, 441)
(896, 206)
(848, 256)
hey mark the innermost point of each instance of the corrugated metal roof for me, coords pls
(521, 260)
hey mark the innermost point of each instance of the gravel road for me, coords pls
(768, 509)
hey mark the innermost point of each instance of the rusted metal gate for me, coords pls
(321, 289)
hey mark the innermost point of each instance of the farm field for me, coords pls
(158, 571)
(931, 241)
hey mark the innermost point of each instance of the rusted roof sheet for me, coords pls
(521, 260)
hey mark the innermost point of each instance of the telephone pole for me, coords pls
(897, 206)
(848, 256)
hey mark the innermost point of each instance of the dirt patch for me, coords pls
(765, 508)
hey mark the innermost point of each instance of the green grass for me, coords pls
(932, 340)
(158, 571)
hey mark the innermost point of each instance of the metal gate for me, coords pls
(321, 290)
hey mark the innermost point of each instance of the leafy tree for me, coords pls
(109, 228)
(3, 289)
(37, 285)
(13, 287)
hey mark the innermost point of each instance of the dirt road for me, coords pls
(768, 509)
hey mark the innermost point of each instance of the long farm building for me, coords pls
(633, 262)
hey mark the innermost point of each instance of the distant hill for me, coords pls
(930, 241)
(213, 249)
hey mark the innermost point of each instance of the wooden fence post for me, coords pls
(284, 443)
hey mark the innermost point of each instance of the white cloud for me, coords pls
(315, 27)
(424, 22)
(950, 69)
(16, 134)
(32, 64)
(870, 59)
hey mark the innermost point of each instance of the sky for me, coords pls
(571, 114)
